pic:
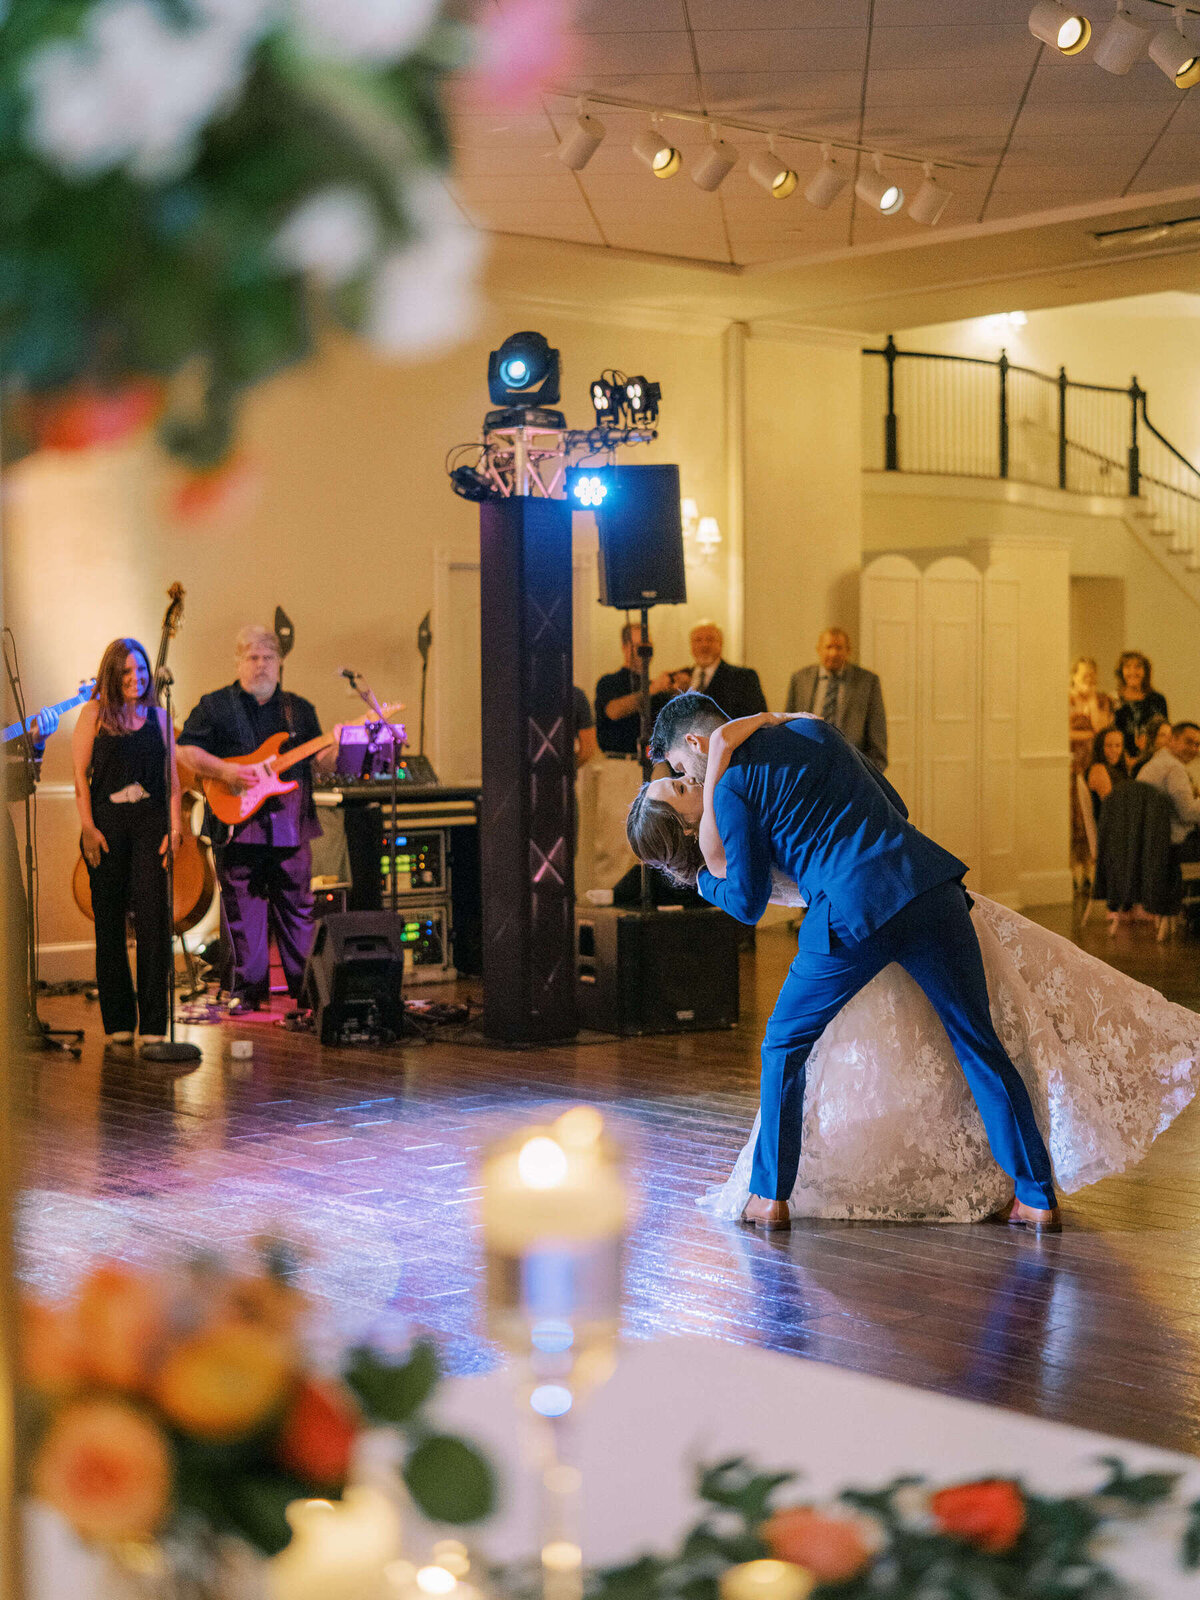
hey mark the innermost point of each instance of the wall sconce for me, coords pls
(708, 537)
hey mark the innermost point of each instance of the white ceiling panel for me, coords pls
(1026, 131)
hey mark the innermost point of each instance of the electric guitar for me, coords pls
(62, 707)
(234, 808)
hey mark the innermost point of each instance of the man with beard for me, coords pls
(264, 865)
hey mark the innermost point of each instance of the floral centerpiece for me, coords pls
(191, 187)
(989, 1539)
(162, 1406)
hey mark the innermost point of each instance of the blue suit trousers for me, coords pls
(933, 939)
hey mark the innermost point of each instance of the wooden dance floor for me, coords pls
(369, 1158)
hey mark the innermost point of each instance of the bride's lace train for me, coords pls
(891, 1132)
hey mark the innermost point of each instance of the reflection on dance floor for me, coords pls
(368, 1157)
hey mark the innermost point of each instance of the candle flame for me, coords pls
(542, 1163)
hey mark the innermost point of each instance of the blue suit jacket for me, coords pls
(802, 796)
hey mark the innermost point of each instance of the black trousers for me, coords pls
(130, 878)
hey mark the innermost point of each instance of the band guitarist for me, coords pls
(264, 865)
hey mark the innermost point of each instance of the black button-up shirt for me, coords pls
(230, 723)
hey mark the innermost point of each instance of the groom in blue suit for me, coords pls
(877, 891)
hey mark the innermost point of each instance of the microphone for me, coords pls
(348, 673)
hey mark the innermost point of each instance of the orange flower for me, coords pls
(833, 1546)
(267, 1301)
(989, 1514)
(225, 1381)
(107, 1468)
(122, 1319)
(52, 1361)
(319, 1433)
(84, 414)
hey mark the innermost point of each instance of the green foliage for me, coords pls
(110, 277)
(450, 1480)
(389, 1393)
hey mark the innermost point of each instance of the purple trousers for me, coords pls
(264, 890)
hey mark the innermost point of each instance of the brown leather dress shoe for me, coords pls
(772, 1216)
(1016, 1214)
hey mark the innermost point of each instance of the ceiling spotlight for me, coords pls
(642, 398)
(1175, 53)
(875, 189)
(715, 165)
(577, 147)
(606, 403)
(827, 182)
(929, 201)
(776, 177)
(1122, 43)
(524, 371)
(1053, 24)
(659, 155)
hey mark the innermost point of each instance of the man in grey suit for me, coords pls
(848, 696)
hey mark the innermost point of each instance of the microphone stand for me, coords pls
(367, 695)
(171, 1050)
(43, 1037)
(645, 651)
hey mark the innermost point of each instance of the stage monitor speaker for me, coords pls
(354, 977)
(656, 971)
(641, 539)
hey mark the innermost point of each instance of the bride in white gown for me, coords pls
(891, 1132)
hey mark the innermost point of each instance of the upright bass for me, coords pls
(195, 875)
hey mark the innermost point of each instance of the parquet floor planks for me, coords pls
(370, 1158)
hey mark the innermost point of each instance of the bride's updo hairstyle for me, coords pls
(657, 835)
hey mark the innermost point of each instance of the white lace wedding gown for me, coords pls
(891, 1132)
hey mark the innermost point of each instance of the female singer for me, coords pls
(120, 748)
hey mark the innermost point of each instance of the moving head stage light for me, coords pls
(526, 446)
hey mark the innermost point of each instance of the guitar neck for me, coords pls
(302, 751)
(61, 707)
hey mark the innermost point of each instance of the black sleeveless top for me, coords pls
(119, 759)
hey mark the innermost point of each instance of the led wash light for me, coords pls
(589, 489)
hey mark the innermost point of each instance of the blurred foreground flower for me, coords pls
(162, 1402)
(193, 191)
(107, 1468)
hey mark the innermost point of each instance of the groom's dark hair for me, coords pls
(687, 713)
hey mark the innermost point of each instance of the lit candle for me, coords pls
(560, 1184)
(766, 1580)
(338, 1551)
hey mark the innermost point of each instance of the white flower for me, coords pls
(73, 119)
(134, 91)
(423, 298)
(365, 30)
(333, 235)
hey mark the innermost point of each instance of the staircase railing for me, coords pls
(966, 416)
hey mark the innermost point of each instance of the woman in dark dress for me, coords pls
(1108, 766)
(120, 748)
(1137, 699)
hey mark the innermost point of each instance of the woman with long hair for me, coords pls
(1089, 710)
(120, 750)
(1108, 766)
(1151, 737)
(890, 1131)
(1138, 699)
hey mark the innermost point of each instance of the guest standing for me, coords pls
(1108, 766)
(735, 689)
(1138, 699)
(120, 750)
(1089, 711)
(847, 695)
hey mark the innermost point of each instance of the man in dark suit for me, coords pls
(849, 697)
(735, 689)
(799, 796)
